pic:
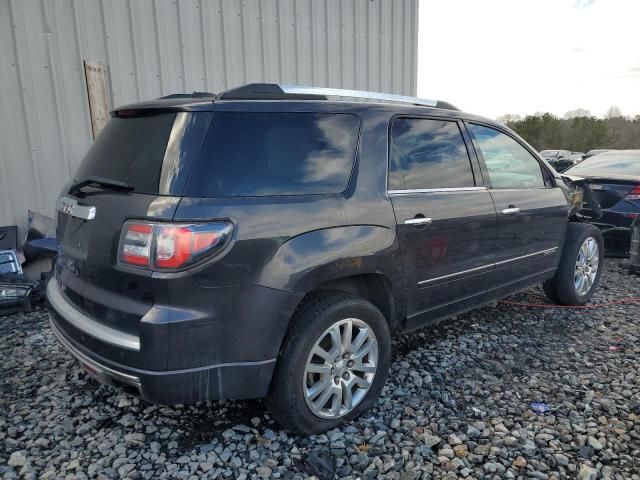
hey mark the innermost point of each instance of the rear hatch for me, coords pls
(202, 171)
(136, 169)
(614, 178)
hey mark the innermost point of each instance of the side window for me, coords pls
(252, 154)
(427, 153)
(510, 165)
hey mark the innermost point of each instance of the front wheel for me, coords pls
(332, 365)
(580, 266)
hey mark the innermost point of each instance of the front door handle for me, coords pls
(417, 221)
(511, 211)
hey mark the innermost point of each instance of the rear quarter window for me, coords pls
(273, 153)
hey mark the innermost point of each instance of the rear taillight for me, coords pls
(170, 246)
(634, 194)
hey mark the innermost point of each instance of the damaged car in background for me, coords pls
(614, 179)
(560, 160)
(14, 286)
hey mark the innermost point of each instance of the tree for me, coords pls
(578, 112)
(577, 134)
(581, 133)
(508, 118)
(586, 133)
(542, 131)
(613, 112)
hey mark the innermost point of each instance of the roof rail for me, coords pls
(272, 91)
(339, 92)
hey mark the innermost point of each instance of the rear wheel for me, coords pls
(333, 363)
(579, 270)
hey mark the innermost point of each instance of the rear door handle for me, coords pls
(511, 211)
(418, 221)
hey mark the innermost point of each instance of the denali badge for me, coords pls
(69, 206)
(66, 207)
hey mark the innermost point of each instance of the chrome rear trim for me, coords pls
(87, 324)
(97, 366)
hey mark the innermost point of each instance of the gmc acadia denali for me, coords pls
(268, 240)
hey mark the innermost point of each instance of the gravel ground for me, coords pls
(456, 405)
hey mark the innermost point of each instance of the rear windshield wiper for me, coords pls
(99, 182)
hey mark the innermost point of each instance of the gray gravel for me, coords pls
(456, 405)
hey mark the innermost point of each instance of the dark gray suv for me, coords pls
(269, 240)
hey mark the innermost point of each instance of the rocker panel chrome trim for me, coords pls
(548, 251)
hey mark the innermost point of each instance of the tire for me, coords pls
(563, 288)
(312, 327)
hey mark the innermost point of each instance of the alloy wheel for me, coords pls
(586, 266)
(340, 368)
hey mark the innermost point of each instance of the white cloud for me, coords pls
(493, 57)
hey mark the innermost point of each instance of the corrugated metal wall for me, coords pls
(156, 47)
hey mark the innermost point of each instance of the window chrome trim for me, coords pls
(410, 191)
(87, 324)
(548, 251)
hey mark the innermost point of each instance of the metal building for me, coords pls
(151, 48)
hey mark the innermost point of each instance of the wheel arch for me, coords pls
(373, 287)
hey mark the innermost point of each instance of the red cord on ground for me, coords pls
(550, 305)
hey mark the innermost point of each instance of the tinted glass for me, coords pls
(428, 154)
(130, 150)
(620, 163)
(510, 165)
(256, 154)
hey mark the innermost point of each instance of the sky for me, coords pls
(493, 57)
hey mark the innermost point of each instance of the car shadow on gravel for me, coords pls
(211, 421)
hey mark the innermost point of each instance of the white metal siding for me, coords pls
(157, 47)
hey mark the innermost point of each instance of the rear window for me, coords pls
(130, 150)
(618, 163)
(258, 154)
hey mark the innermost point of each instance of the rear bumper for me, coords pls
(215, 382)
(616, 232)
(96, 369)
(145, 365)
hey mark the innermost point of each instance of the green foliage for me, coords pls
(578, 134)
